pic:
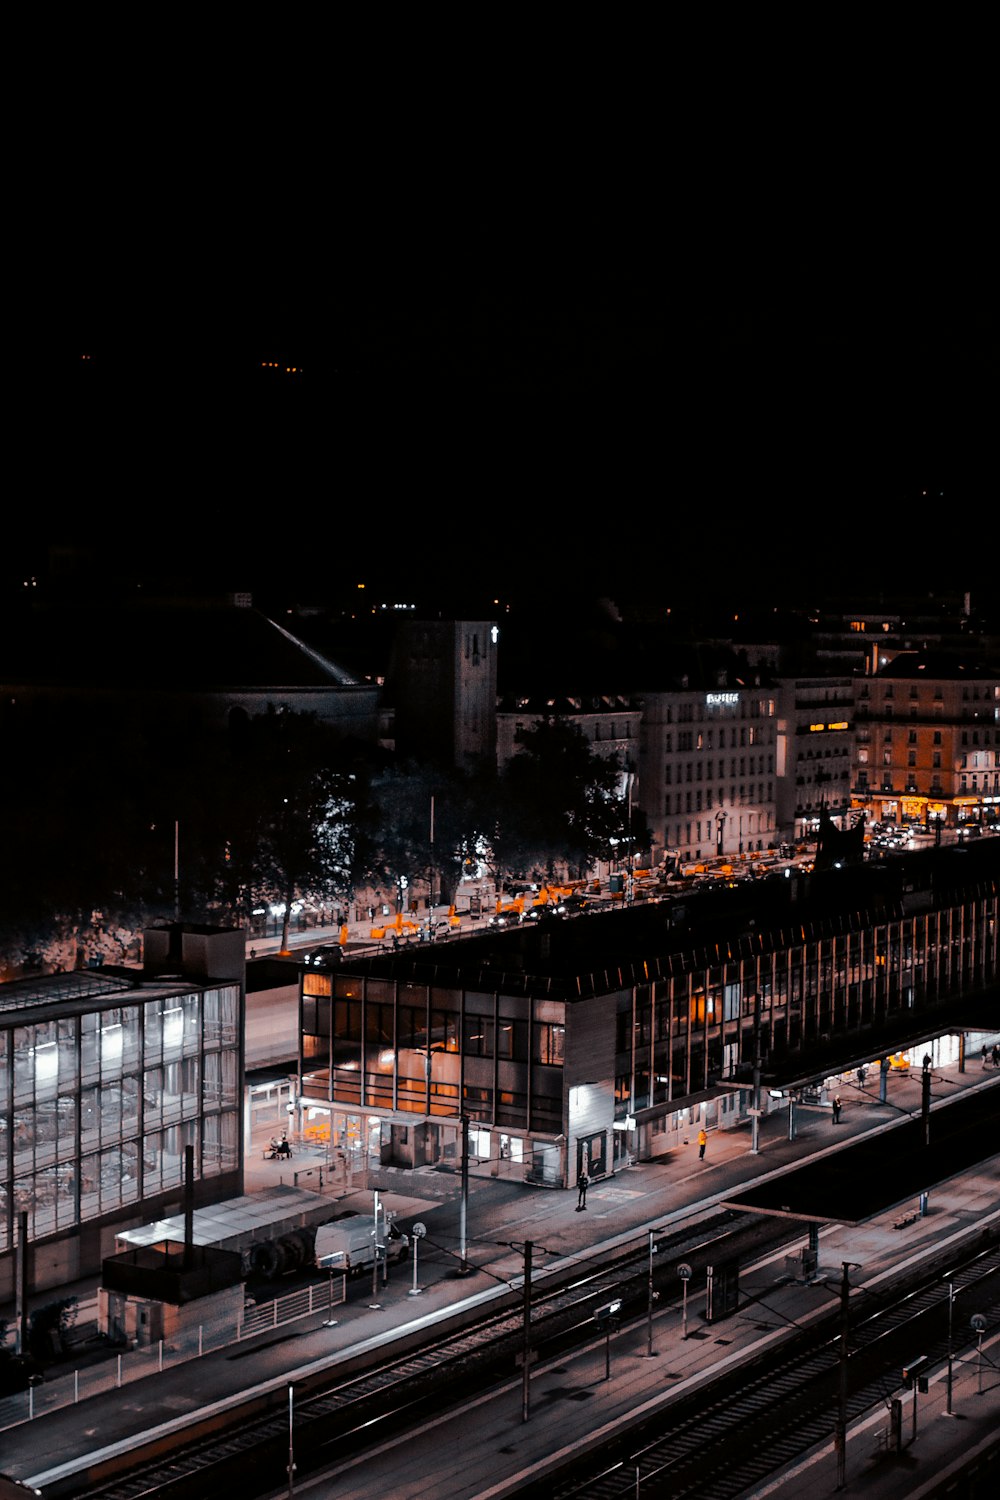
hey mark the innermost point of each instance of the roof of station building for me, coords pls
(609, 950)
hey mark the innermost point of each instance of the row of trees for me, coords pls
(275, 813)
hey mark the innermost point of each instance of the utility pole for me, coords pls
(755, 1110)
(840, 1435)
(463, 1269)
(291, 1439)
(525, 1374)
(652, 1295)
(925, 1098)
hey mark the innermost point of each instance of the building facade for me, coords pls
(708, 770)
(927, 747)
(443, 685)
(105, 1079)
(595, 1040)
(814, 753)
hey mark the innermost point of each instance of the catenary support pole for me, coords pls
(526, 1372)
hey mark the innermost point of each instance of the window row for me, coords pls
(69, 1193)
(49, 1130)
(55, 1057)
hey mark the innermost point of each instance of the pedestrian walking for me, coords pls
(582, 1183)
(996, 1055)
(985, 1055)
(702, 1143)
(836, 1109)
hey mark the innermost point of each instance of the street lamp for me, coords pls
(330, 1321)
(291, 1443)
(417, 1233)
(684, 1272)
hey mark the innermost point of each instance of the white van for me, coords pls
(348, 1244)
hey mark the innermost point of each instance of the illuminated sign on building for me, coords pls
(711, 698)
(814, 728)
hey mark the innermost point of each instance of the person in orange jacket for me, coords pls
(702, 1143)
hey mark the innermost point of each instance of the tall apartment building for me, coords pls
(928, 742)
(708, 769)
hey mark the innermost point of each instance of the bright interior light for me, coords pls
(173, 1026)
(46, 1062)
(111, 1043)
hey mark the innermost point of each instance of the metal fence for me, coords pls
(112, 1369)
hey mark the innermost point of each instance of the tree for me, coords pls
(422, 814)
(561, 803)
(297, 817)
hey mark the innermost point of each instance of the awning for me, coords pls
(689, 1101)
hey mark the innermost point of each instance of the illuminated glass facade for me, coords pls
(551, 1051)
(418, 1057)
(102, 1087)
(696, 1026)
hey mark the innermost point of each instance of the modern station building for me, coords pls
(603, 1039)
(105, 1078)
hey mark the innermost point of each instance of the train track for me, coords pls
(787, 1401)
(754, 1422)
(468, 1356)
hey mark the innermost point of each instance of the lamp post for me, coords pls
(330, 1321)
(418, 1232)
(375, 1304)
(684, 1272)
(951, 1309)
(755, 1110)
(291, 1444)
(978, 1324)
(631, 846)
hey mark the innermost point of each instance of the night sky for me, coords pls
(611, 377)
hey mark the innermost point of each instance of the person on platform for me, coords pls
(702, 1143)
(582, 1184)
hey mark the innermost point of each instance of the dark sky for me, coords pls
(564, 435)
(577, 362)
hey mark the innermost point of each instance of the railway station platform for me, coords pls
(501, 1217)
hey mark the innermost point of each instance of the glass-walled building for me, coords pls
(402, 1061)
(104, 1082)
(607, 1038)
